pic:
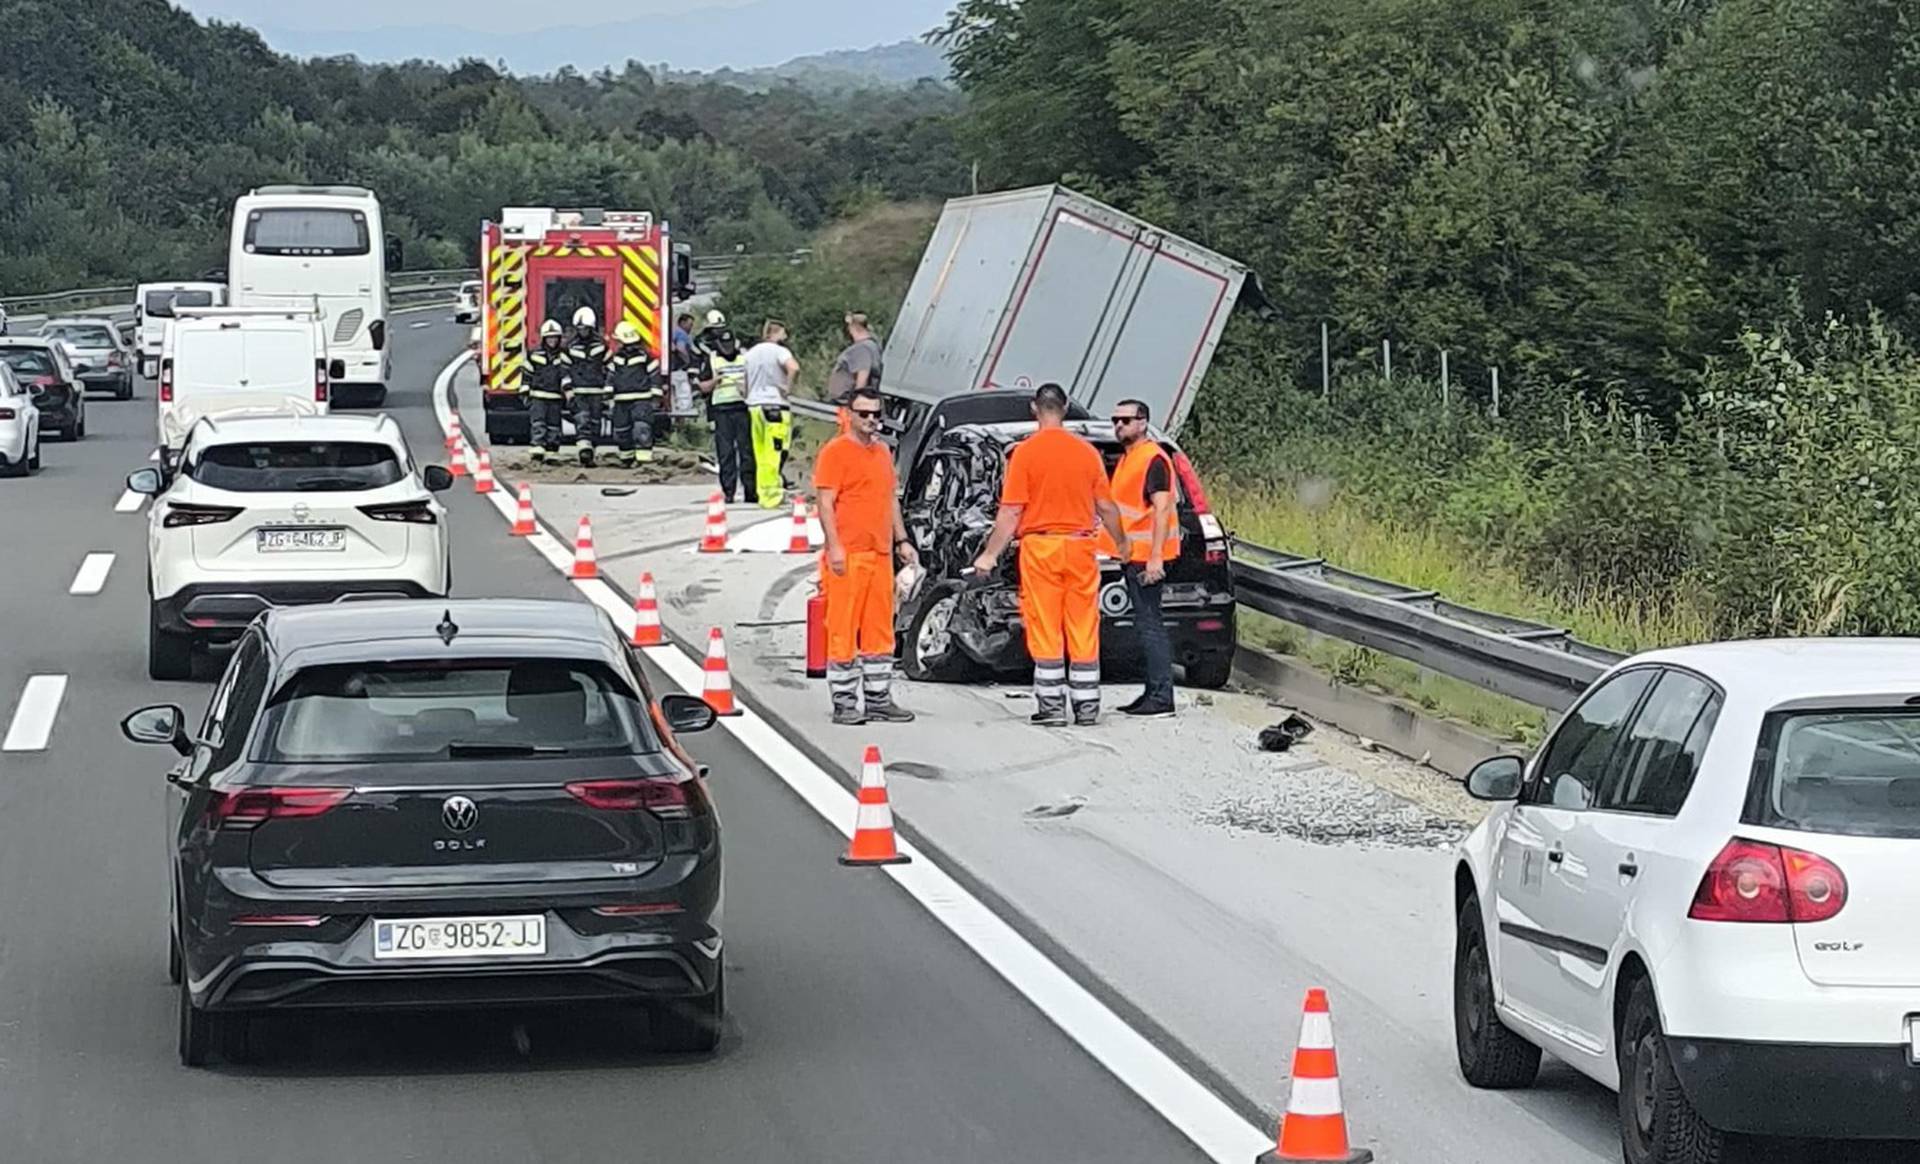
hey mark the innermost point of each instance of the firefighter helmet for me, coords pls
(550, 328)
(626, 333)
(716, 318)
(584, 317)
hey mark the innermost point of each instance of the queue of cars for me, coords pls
(44, 381)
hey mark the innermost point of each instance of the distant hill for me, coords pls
(887, 66)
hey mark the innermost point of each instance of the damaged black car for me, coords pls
(956, 627)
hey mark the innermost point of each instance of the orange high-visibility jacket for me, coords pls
(1136, 508)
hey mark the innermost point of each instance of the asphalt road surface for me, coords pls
(859, 1029)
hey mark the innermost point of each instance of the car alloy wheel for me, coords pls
(1658, 1124)
(1491, 1056)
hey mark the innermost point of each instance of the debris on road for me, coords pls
(1285, 734)
(1067, 807)
(670, 466)
(1326, 806)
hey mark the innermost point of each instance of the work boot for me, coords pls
(586, 457)
(1086, 716)
(538, 456)
(888, 712)
(848, 717)
(642, 456)
(1144, 708)
(1052, 713)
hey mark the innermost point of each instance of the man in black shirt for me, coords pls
(1143, 489)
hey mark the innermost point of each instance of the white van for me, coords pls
(155, 303)
(224, 361)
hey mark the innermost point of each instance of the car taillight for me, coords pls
(247, 807)
(1190, 482)
(410, 512)
(637, 909)
(1753, 881)
(180, 513)
(666, 798)
(166, 381)
(320, 381)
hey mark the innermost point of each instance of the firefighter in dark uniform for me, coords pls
(635, 380)
(587, 364)
(545, 387)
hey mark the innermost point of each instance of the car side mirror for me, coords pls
(163, 723)
(686, 713)
(146, 482)
(337, 370)
(1497, 778)
(437, 478)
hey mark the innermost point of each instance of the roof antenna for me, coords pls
(447, 628)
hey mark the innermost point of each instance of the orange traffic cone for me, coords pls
(483, 477)
(457, 456)
(586, 564)
(800, 542)
(873, 842)
(453, 431)
(523, 524)
(1315, 1125)
(646, 616)
(715, 541)
(719, 684)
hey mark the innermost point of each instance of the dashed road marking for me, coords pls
(130, 502)
(1146, 1070)
(33, 718)
(92, 577)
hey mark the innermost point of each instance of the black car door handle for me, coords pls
(1555, 856)
(1629, 869)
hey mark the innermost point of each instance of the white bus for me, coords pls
(293, 243)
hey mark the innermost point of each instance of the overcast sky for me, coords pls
(699, 34)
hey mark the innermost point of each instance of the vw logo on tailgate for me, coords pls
(459, 814)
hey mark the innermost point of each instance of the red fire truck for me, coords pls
(539, 263)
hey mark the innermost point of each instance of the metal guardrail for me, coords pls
(1537, 664)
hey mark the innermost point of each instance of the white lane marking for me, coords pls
(1197, 1113)
(130, 502)
(33, 719)
(421, 324)
(92, 577)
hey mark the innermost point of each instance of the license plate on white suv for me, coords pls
(459, 937)
(300, 541)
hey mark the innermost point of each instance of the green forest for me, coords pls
(127, 128)
(1684, 230)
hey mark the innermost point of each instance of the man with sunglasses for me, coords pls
(1143, 489)
(860, 515)
(1053, 496)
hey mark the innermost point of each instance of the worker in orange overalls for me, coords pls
(1054, 493)
(860, 515)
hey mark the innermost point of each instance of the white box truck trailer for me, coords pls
(1020, 288)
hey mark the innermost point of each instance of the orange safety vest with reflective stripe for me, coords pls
(1136, 508)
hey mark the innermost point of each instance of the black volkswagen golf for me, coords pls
(418, 805)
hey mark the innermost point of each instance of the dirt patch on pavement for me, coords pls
(670, 466)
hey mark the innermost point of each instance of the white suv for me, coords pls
(1704, 893)
(282, 510)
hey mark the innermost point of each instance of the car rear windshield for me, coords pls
(307, 231)
(461, 710)
(81, 335)
(296, 466)
(29, 362)
(160, 304)
(1852, 772)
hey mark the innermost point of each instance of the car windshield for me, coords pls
(1854, 772)
(161, 304)
(455, 711)
(81, 335)
(295, 466)
(29, 361)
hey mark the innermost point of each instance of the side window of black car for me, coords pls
(245, 693)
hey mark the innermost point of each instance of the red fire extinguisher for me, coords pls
(817, 636)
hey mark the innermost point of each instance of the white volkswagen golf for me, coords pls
(283, 510)
(1704, 892)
